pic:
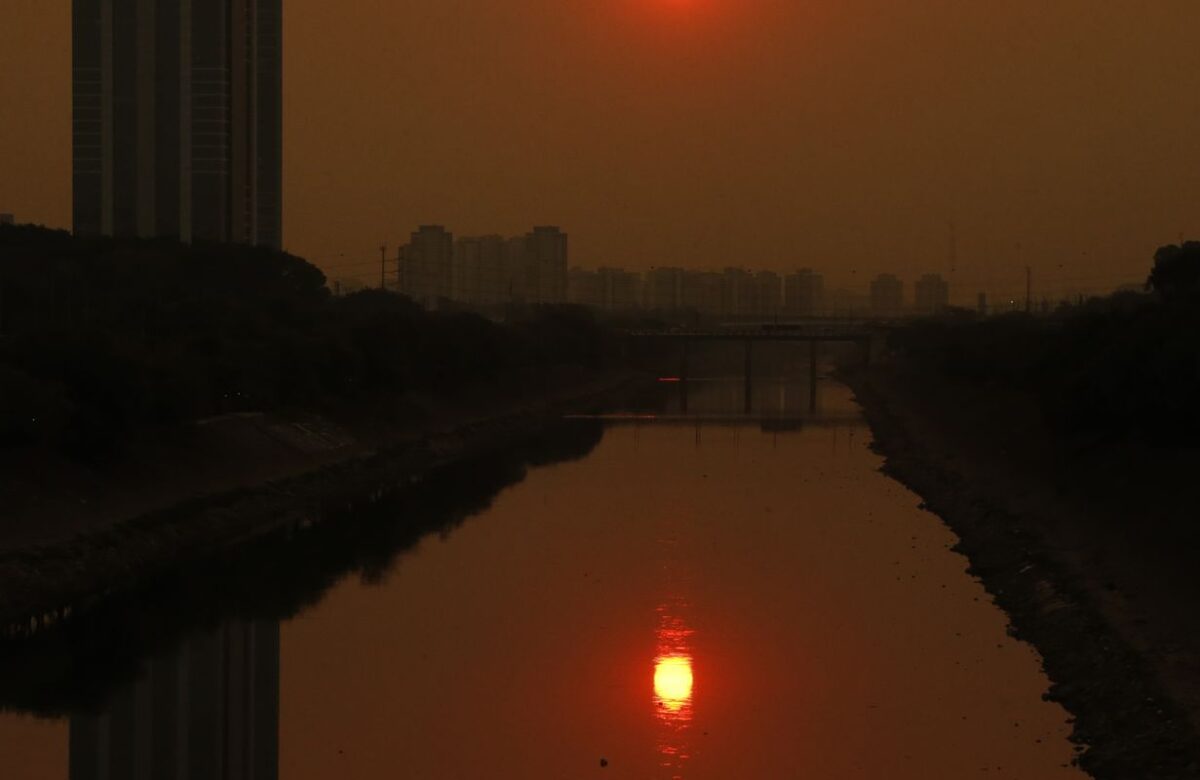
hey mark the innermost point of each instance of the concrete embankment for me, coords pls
(261, 473)
(1078, 542)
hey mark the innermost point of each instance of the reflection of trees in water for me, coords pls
(77, 666)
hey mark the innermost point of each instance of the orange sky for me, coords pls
(842, 135)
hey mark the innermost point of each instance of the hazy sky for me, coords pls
(841, 134)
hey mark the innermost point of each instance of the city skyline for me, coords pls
(489, 272)
(830, 162)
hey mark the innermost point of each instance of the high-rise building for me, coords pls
(768, 294)
(178, 121)
(738, 293)
(546, 249)
(887, 296)
(427, 266)
(702, 291)
(663, 289)
(585, 288)
(803, 293)
(620, 290)
(479, 273)
(932, 294)
(536, 266)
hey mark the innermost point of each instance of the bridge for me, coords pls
(857, 331)
(813, 331)
(782, 422)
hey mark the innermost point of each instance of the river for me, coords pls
(651, 594)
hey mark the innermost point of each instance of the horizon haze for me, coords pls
(853, 138)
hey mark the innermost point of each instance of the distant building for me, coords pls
(584, 288)
(427, 266)
(702, 291)
(932, 294)
(547, 253)
(768, 294)
(209, 709)
(7, 219)
(803, 293)
(479, 277)
(520, 272)
(178, 119)
(663, 289)
(841, 302)
(536, 266)
(982, 304)
(738, 294)
(887, 296)
(620, 290)
(610, 289)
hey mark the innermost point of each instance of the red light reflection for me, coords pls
(674, 685)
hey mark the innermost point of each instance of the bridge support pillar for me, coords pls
(749, 376)
(683, 376)
(814, 347)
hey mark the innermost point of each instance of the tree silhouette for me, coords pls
(101, 336)
(1176, 272)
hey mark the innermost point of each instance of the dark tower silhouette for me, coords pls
(178, 119)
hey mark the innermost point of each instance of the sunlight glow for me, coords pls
(673, 681)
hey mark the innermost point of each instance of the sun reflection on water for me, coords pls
(674, 684)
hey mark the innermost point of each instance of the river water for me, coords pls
(649, 595)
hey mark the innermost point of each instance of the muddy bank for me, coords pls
(49, 499)
(83, 565)
(1055, 546)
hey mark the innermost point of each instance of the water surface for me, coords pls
(702, 595)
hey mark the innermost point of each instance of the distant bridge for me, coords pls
(812, 331)
(855, 331)
(780, 422)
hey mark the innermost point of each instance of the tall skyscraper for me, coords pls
(178, 119)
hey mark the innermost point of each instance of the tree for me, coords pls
(1176, 272)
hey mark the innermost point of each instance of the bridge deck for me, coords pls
(795, 419)
(812, 333)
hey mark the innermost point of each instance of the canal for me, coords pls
(649, 594)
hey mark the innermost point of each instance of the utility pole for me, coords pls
(1028, 290)
(383, 266)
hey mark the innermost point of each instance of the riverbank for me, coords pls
(240, 477)
(1084, 544)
